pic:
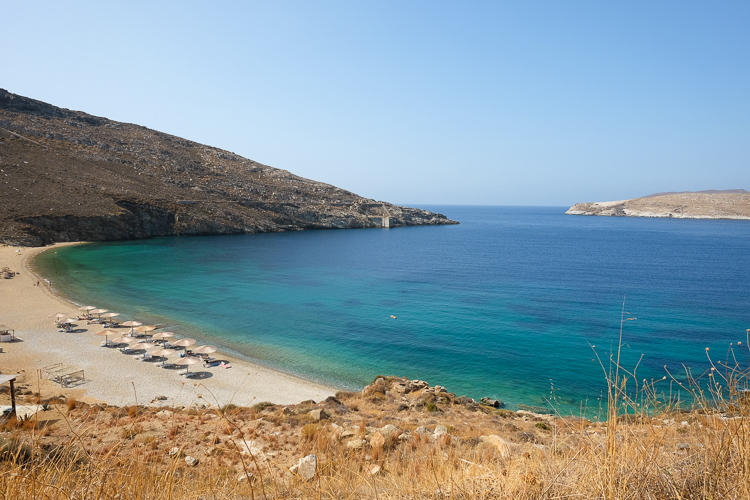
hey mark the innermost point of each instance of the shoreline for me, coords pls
(111, 376)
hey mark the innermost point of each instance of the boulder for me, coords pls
(495, 403)
(405, 436)
(387, 430)
(377, 441)
(191, 461)
(502, 446)
(439, 431)
(415, 385)
(355, 444)
(318, 415)
(307, 467)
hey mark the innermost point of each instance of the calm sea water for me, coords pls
(511, 304)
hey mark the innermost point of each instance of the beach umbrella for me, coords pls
(204, 349)
(70, 320)
(98, 312)
(145, 329)
(145, 345)
(106, 333)
(163, 353)
(132, 324)
(109, 315)
(187, 361)
(59, 316)
(87, 308)
(184, 342)
(163, 335)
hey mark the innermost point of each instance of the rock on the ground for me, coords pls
(502, 446)
(377, 441)
(318, 415)
(307, 467)
(495, 403)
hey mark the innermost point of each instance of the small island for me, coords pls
(712, 204)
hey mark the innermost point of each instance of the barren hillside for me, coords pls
(69, 176)
(730, 204)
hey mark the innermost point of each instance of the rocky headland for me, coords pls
(728, 204)
(70, 176)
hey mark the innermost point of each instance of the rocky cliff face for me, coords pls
(69, 176)
(731, 204)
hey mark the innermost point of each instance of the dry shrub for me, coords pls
(174, 431)
(344, 395)
(71, 403)
(309, 431)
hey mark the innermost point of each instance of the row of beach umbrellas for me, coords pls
(186, 361)
(137, 326)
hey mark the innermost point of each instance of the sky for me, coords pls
(415, 102)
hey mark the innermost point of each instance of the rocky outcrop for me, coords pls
(731, 204)
(69, 176)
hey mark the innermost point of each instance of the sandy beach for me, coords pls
(111, 376)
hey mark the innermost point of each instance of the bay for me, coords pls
(515, 303)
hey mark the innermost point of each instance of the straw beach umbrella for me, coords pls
(59, 316)
(107, 333)
(98, 312)
(204, 349)
(184, 342)
(145, 328)
(132, 324)
(187, 361)
(163, 353)
(109, 315)
(87, 310)
(163, 335)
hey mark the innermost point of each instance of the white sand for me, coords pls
(114, 377)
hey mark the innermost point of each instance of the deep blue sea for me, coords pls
(512, 303)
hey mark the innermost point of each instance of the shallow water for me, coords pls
(509, 304)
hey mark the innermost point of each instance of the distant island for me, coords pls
(70, 176)
(711, 204)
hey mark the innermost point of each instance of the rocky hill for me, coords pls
(729, 204)
(70, 176)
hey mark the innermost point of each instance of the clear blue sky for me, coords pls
(416, 102)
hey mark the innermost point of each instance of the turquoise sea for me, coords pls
(512, 303)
